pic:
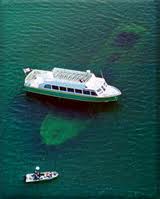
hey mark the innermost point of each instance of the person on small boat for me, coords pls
(36, 177)
(37, 173)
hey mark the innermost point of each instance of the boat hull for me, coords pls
(69, 96)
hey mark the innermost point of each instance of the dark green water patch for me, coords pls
(123, 42)
(128, 35)
(126, 39)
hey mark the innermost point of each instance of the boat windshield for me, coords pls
(103, 88)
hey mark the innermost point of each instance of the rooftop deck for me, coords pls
(71, 75)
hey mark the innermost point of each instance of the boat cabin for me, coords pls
(77, 82)
(80, 84)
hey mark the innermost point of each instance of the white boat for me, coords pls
(70, 84)
(38, 176)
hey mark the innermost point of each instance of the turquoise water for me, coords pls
(106, 150)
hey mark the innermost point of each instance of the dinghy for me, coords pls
(38, 176)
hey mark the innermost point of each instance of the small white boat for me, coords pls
(38, 176)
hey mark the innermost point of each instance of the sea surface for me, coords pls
(100, 150)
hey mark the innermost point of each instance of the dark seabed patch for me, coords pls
(126, 39)
(122, 40)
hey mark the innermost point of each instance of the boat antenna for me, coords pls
(101, 73)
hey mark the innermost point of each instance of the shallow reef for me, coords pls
(57, 130)
(125, 39)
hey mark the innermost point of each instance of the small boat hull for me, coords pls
(44, 176)
(69, 95)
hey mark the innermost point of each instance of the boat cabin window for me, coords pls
(99, 90)
(103, 88)
(71, 90)
(78, 91)
(63, 88)
(54, 87)
(86, 92)
(48, 86)
(93, 93)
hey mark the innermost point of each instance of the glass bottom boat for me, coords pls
(70, 84)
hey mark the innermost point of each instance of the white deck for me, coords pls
(61, 77)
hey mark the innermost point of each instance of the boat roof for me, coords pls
(64, 77)
(71, 75)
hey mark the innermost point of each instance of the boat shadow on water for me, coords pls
(73, 105)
